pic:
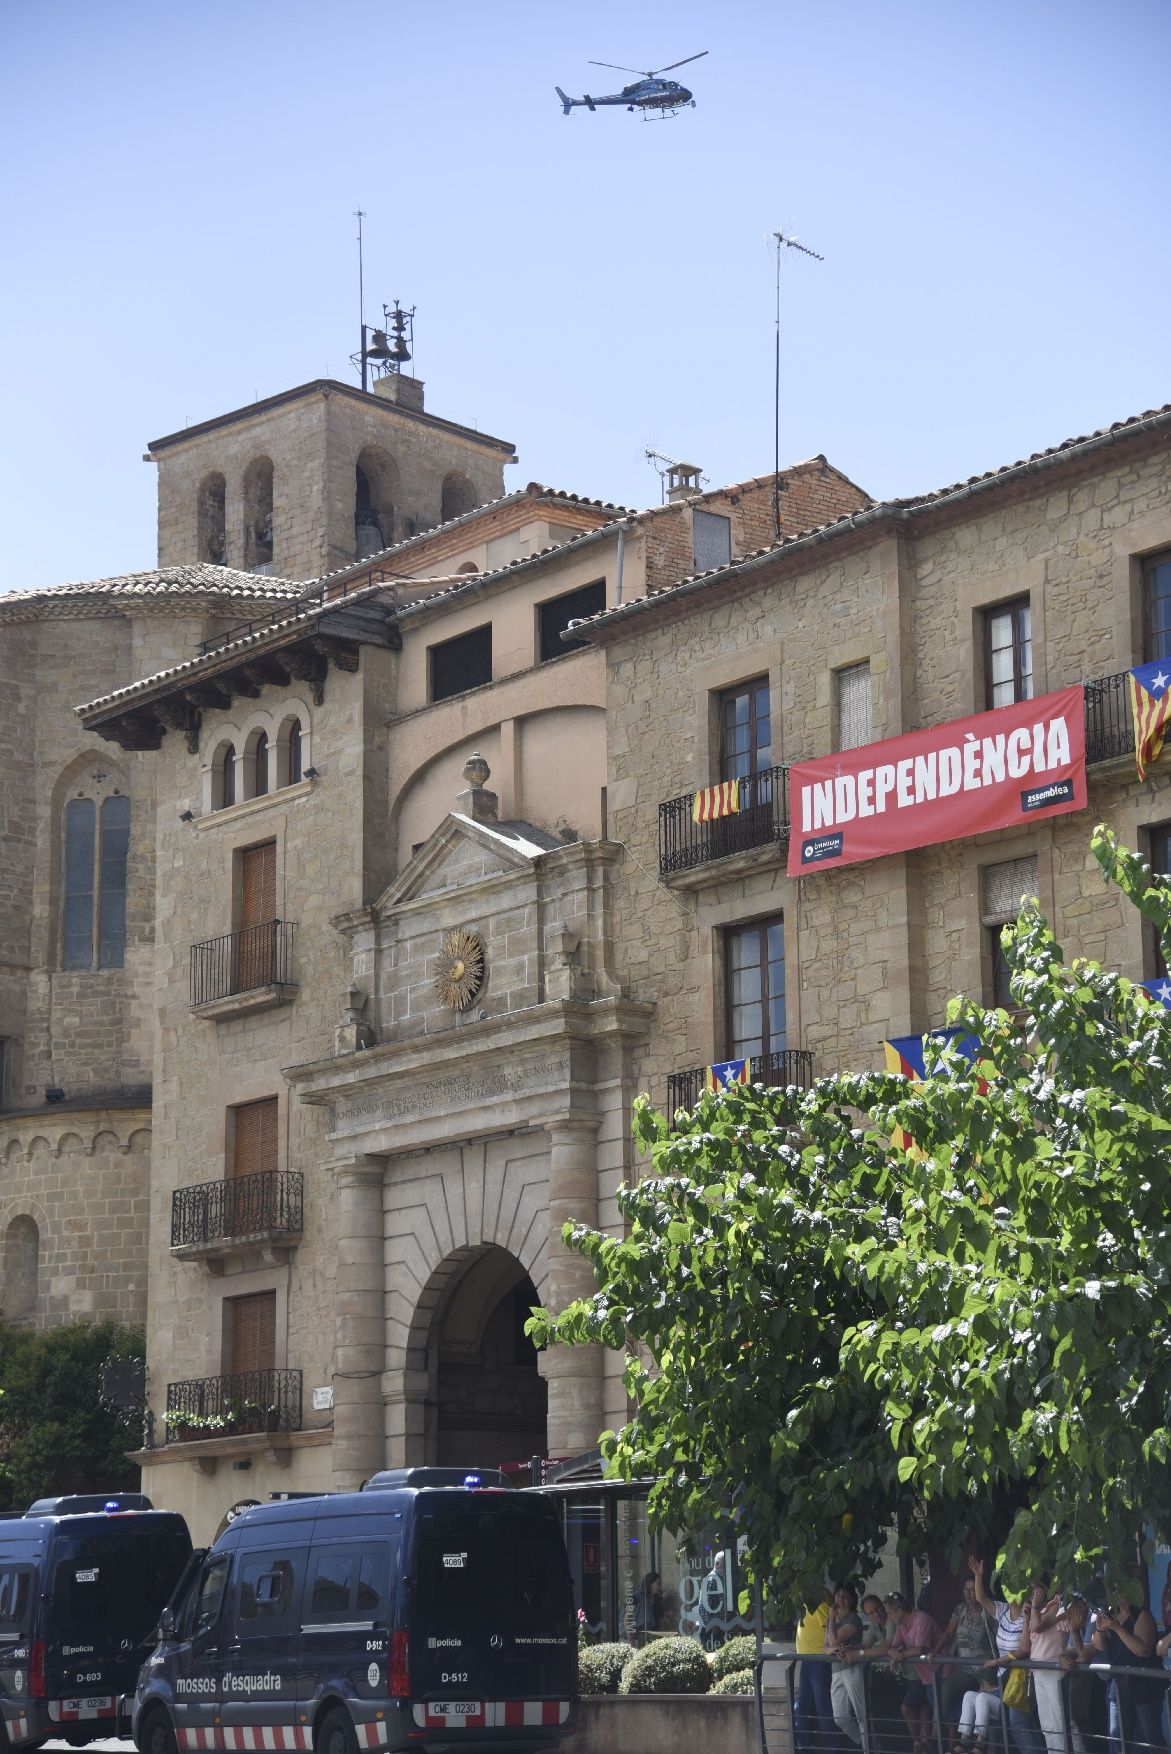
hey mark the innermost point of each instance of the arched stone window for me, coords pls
(288, 752)
(22, 1255)
(93, 889)
(468, 566)
(258, 526)
(376, 482)
(457, 496)
(223, 777)
(295, 754)
(213, 529)
(257, 765)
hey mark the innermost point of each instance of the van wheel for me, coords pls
(335, 1735)
(156, 1735)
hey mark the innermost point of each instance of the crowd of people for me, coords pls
(1052, 1671)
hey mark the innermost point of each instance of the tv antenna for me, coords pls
(664, 466)
(783, 242)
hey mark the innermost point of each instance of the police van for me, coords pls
(431, 1610)
(82, 1583)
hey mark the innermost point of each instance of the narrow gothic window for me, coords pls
(78, 909)
(228, 777)
(115, 848)
(295, 753)
(22, 1251)
(261, 760)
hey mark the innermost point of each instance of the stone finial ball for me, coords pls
(476, 769)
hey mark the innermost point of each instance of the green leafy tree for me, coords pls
(828, 1336)
(55, 1436)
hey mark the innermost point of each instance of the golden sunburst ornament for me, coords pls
(461, 969)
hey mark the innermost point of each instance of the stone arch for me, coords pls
(258, 763)
(257, 487)
(468, 566)
(456, 496)
(222, 780)
(212, 519)
(291, 748)
(22, 1253)
(450, 1268)
(376, 494)
(94, 774)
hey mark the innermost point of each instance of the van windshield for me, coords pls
(116, 1581)
(484, 1565)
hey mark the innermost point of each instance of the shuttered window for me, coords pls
(254, 1137)
(1003, 887)
(258, 885)
(253, 1332)
(854, 723)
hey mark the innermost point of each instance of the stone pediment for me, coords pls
(462, 854)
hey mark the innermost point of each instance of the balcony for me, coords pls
(762, 820)
(217, 1219)
(1109, 724)
(253, 1403)
(790, 1066)
(243, 971)
(763, 817)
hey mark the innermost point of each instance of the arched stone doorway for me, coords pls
(488, 1397)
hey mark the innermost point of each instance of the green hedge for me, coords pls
(736, 1681)
(669, 1665)
(600, 1666)
(739, 1653)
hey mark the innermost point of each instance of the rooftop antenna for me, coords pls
(360, 216)
(782, 242)
(662, 466)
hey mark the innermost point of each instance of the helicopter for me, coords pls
(649, 91)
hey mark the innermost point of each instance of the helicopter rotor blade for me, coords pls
(619, 69)
(682, 63)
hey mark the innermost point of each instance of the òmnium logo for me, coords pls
(821, 846)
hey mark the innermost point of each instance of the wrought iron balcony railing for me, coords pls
(1109, 724)
(790, 1066)
(234, 1406)
(763, 817)
(270, 1201)
(240, 962)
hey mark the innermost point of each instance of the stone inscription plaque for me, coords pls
(444, 1095)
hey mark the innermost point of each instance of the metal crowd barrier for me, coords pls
(1105, 1709)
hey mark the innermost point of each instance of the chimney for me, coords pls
(394, 387)
(682, 482)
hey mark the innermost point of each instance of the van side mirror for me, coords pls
(167, 1624)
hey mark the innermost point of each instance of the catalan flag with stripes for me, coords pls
(714, 801)
(726, 1073)
(1150, 706)
(916, 1057)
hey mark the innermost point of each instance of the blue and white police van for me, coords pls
(431, 1610)
(82, 1583)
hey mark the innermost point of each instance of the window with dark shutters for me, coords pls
(253, 1332)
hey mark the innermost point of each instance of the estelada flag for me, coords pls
(1150, 706)
(1160, 989)
(725, 1073)
(916, 1057)
(713, 801)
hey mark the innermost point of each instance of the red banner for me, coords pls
(1001, 769)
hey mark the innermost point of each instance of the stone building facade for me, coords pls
(1048, 573)
(77, 933)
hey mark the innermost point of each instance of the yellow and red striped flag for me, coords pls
(725, 1073)
(713, 801)
(1150, 706)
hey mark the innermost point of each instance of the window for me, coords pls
(711, 540)
(294, 752)
(22, 1255)
(224, 778)
(1003, 887)
(745, 730)
(254, 1137)
(854, 725)
(1159, 859)
(459, 664)
(212, 533)
(258, 524)
(5, 1055)
(457, 496)
(555, 616)
(253, 1321)
(350, 1582)
(1008, 653)
(256, 951)
(266, 1588)
(755, 975)
(211, 1594)
(1157, 606)
(260, 760)
(94, 882)
(16, 1595)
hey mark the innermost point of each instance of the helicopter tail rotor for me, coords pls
(566, 102)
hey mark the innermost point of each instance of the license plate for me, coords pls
(90, 1706)
(455, 1707)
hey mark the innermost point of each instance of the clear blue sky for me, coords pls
(988, 185)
